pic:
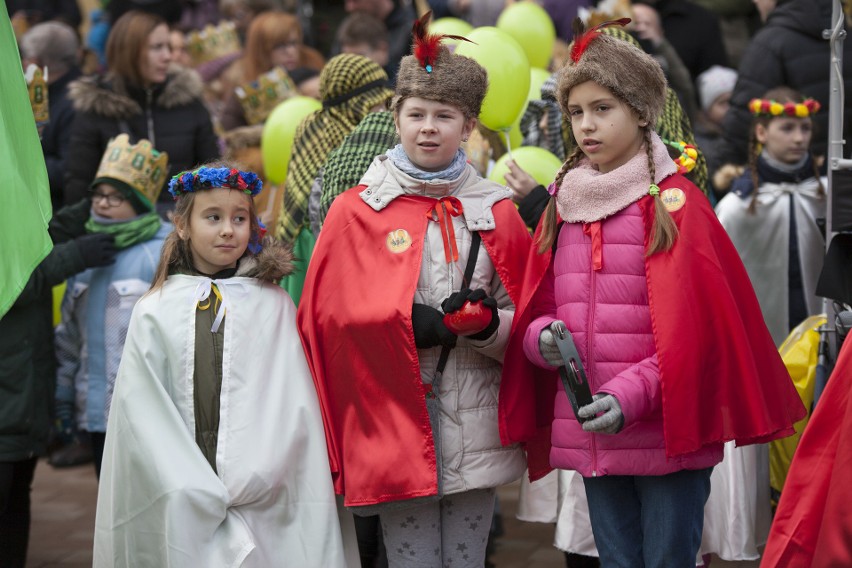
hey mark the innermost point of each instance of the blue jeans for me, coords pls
(650, 521)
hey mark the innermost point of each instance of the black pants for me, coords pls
(16, 479)
(98, 439)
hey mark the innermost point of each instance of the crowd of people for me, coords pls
(250, 395)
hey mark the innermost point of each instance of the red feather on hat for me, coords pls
(583, 39)
(427, 46)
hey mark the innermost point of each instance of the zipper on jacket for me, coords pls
(149, 96)
(589, 363)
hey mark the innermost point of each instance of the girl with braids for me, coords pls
(215, 452)
(630, 244)
(773, 208)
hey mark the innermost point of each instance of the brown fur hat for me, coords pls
(454, 79)
(631, 74)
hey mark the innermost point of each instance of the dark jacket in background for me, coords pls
(57, 134)
(27, 361)
(789, 50)
(171, 115)
(694, 32)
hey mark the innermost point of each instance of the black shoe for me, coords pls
(72, 454)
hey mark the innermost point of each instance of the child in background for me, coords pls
(631, 242)
(214, 453)
(363, 34)
(773, 208)
(409, 377)
(98, 302)
(714, 92)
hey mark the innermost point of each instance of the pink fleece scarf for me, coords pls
(587, 195)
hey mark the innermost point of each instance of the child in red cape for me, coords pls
(406, 320)
(632, 248)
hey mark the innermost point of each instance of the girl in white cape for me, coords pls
(215, 452)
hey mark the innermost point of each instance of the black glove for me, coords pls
(96, 249)
(429, 328)
(457, 299)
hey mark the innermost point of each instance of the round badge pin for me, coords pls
(673, 199)
(398, 241)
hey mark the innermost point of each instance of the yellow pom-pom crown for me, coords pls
(770, 108)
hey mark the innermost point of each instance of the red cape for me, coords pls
(355, 322)
(722, 377)
(813, 523)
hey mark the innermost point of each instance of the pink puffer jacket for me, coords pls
(608, 315)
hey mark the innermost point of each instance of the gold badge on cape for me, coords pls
(398, 241)
(673, 199)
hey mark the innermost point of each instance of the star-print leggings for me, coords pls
(449, 533)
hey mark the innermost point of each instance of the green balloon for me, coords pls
(276, 142)
(537, 79)
(531, 26)
(450, 26)
(538, 162)
(508, 75)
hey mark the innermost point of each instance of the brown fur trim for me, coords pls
(725, 176)
(241, 138)
(274, 262)
(109, 99)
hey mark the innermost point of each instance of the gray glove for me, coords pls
(612, 419)
(547, 346)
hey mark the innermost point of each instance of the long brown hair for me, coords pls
(127, 41)
(664, 231)
(266, 32)
(755, 148)
(176, 257)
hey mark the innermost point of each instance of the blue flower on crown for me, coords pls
(208, 178)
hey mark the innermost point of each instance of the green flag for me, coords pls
(24, 189)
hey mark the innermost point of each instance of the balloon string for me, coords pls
(505, 132)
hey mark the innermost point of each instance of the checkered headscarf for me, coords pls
(350, 86)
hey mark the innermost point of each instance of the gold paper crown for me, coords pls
(37, 86)
(212, 42)
(260, 97)
(139, 166)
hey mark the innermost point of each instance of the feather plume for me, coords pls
(582, 38)
(427, 46)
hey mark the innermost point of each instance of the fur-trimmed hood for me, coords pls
(112, 98)
(274, 262)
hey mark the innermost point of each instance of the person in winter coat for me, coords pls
(54, 45)
(214, 451)
(143, 97)
(28, 371)
(788, 50)
(409, 378)
(98, 302)
(629, 244)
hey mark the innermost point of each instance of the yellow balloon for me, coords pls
(450, 26)
(531, 26)
(538, 162)
(276, 142)
(508, 75)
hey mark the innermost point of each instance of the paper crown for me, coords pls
(139, 166)
(212, 42)
(260, 97)
(37, 87)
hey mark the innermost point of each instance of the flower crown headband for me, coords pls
(768, 107)
(209, 178)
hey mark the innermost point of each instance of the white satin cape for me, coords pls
(159, 501)
(763, 238)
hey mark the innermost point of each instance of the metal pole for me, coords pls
(836, 36)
